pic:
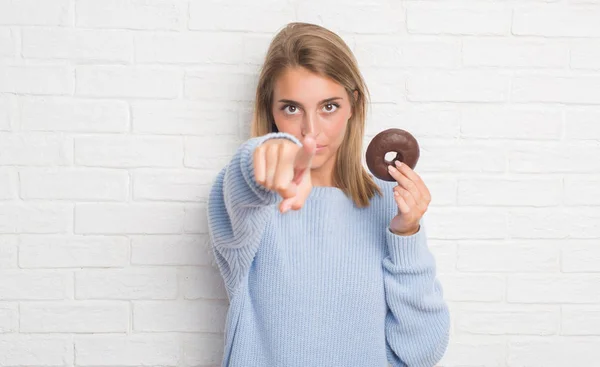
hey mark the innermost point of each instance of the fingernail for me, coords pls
(398, 163)
(392, 168)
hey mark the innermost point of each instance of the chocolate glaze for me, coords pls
(391, 140)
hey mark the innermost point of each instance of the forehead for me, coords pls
(303, 85)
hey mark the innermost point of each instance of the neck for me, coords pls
(320, 180)
(323, 176)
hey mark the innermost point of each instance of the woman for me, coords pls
(324, 265)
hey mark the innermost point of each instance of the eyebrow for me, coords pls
(289, 101)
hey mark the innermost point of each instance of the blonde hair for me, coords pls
(323, 52)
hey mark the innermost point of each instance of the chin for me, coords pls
(319, 161)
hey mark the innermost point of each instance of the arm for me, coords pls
(238, 210)
(417, 322)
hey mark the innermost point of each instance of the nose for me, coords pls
(310, 125)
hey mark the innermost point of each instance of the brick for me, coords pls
(37, 79)
(515, 53)
(508, 256)
(129, 151)
(172, 185)
(35, 218)
(452, 223)
(510, 192)
(580, 256)
(582, 123)
(442, 189)
(254, 48)
(81, 44)
(220, 86)
(556, 21)
(580, 320)
(457, 86)
(9, 317)
(564, 157)
(202, 349)
(178, 48)
(171, 250)
(581, 190)
(8, 251)
(73, 251)
(32, 149)
(554, 223)
(551, 351)
(423, 123)
(412, 52)
(491, 122)
(74, 317)
(444, 253)
(33, 285)
(351, 17)
(132, 14)
(196, 219)
(126, 350)
(554, 288)
(66, 114)
(385, 87)
(128, 81)
(203, 283)
(126, 284)
(208, 153)
(467, 157)
(184, 117)
(478, 350)
(585, 54)
(74, 184)
(500, 319)
(266, 16)
(33, 12)
(128, 218)
(463, 21)
(180, 316)
(8, 44)
(8, 186)
(473, 287)
(34, 350)
(556, 89)
(8, 112)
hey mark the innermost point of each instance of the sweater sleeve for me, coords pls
(238, 209)
(417, 323)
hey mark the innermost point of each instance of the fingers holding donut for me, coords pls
(410, 181)
(412, 197)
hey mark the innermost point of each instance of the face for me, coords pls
(307, 103)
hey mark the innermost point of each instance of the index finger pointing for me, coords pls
(304, 157)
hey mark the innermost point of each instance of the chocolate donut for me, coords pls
(398, 141)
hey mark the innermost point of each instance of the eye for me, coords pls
(330, 107)
(290, 109)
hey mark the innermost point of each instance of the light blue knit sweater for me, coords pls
(326, 286)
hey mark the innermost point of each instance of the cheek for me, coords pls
(336, 128)
(286, 123)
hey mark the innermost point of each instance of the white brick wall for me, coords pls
(116, 115)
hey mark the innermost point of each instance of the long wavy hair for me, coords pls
(323, 52)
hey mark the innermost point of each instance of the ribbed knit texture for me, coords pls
(329, 285)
